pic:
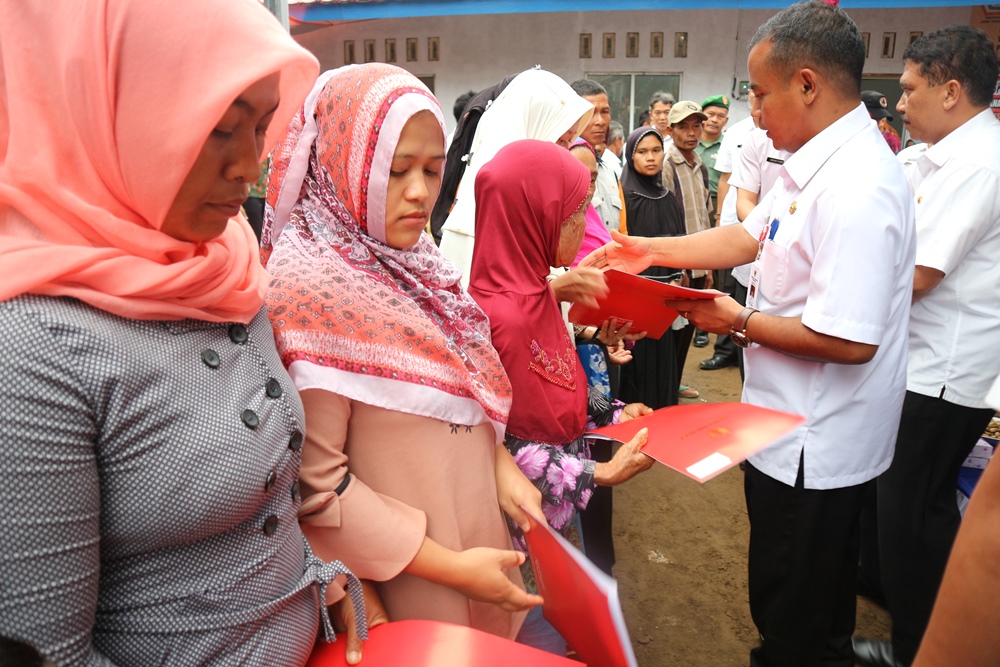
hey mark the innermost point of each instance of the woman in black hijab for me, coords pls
(650, 210)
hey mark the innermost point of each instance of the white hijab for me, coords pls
(535, 105)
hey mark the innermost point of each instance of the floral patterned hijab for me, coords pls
(352, 315)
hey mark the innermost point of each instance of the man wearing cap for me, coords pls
(716, 110)
(878, 109)
(685, 175)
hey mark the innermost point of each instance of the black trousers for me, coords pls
(917, 512)
(597, 519)
(682, 337)
(803, 564)
(724, 345)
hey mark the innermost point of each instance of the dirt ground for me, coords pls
(681, 556)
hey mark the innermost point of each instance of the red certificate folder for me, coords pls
(704, 440)
(638, 300)
(420, 643)
(581, 602)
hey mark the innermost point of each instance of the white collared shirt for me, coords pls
(726, 163)
(609, 159)
(993, 398)
(955, 328)
(841, 259)
(756, 169)
(607, 197)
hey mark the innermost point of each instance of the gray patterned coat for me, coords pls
(150, 491)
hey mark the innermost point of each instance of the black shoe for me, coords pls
(874, 653)
(701, 338)
(715, 363)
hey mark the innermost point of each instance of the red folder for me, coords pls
(638, 300)
(706, 439)
(421, 643)
(581, 602)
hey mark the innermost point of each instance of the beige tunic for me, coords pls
(410, 476)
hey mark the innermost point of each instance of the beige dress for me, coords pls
(410, 476)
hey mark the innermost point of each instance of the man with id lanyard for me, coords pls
(824, 327)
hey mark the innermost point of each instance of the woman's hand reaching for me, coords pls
(611, 333)
(633, 410)
(480, 575)
(342, 615)
(627, 462)
(619, 355)
(514, 490)
(580, 285)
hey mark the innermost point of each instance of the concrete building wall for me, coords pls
(476, 51)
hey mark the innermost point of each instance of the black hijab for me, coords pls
(650, 208)
(461, 144)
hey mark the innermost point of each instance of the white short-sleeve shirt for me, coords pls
(756, 170)
(725, 163)
(955, 328)
(840, 258)
(607, 197)
(993, 398)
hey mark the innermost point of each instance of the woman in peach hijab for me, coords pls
(151, 438)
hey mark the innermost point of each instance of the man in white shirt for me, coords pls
(948, 81)
(826, 320)
(754, 173)
(607, 195)
(726, 353)
(660, 105)
(616, 144)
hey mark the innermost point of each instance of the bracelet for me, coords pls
(343, 484)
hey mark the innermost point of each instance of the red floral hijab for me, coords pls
(352, 315)
(524, 195)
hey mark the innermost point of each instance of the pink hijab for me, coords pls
(596, 235)
(386, 326)
(104, 107)
(524, 195)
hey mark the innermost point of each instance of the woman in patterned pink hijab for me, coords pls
(406, 399)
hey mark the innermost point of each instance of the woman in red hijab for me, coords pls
(533, 198)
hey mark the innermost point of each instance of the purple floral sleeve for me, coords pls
(563, 473)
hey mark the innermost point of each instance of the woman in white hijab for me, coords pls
(536, 105)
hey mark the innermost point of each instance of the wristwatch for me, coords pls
(738, 332)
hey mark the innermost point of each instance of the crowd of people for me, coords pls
(226, 438)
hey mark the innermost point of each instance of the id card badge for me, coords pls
(766, 234)
(754, 283)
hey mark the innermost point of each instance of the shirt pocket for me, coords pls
(773, 274)
(615, 200)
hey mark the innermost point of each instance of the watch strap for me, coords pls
(740, 324)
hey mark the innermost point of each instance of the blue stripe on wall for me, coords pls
(344, 11)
